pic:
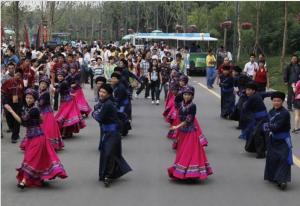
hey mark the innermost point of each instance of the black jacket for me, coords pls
(291, 73)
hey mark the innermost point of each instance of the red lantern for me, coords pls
(226, 25)
(246, 25)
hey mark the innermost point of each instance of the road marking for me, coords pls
(295, 159)
(209, 90)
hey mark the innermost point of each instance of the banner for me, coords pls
(26, 37)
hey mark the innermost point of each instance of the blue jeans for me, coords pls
(210, 76)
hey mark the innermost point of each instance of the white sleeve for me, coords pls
(246, 67)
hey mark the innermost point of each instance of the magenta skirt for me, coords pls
(40, 162)
(191, 161)
(69, 117)
(51, 130)
(168, 107)
(83, 105)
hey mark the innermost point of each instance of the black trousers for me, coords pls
(290, 97)
(55, 106)
(92, 80)
(144, 85)
(13, 125)
(154, 86)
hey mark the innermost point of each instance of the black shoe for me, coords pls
(14, 141)
(21, 185)
(282, 185)
(107, 182)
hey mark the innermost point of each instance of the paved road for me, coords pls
(237, 179)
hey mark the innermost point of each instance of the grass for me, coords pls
(275, 72)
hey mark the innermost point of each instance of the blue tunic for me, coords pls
(279, 148)
(112, 164)
(227, 95)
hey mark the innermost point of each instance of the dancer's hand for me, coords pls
(8, 108)
(173, 128)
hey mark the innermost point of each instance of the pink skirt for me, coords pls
(69, 117)
(81, 102)
(201, 136)
(51, 130)
(168, 108)
(191, 161)
(40, 162)
(174, 120)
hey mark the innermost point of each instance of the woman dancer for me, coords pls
(49, 124)
(40, 161)
(76, 90)
(191, 161)
(68, 116)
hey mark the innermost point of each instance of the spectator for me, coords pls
(251, 66)
(290, 76)
(11, 56)
(221, 68)
(210, 69)
(260, 76)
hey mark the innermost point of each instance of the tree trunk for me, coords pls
(234, 34)
(16, 23)
(239, 33)
(284, 35)
(256, 45)
(50, 19)
(225, 37)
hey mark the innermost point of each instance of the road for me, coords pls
(237, 179)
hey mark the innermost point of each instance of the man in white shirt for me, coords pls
(251, 66)
(229, 56)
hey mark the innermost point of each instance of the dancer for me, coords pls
(279, 156)
(68, 116)
(40, 161)
(227, 93)
(76, 90)
(49, 124)
(112, 164)
(191, 161)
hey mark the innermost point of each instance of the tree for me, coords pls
(16, 22)
(257, 32)
(238, 24)
(285, 30)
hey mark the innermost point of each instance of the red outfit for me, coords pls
(40, 159)
(221, 68)
(12, 87)
(28, 74)
(261, 75)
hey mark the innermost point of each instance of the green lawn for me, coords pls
(275, 72)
